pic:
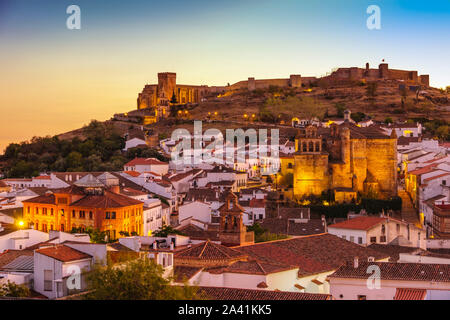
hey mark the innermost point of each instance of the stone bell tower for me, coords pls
(232, 231)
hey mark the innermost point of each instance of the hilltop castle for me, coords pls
(155, 99)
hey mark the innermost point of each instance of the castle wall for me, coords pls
(310, 174)
(359, 162)
(382, 163)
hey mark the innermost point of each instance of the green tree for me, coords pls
(139, 279)
(10, 289)
(165, 231)
(443, 132)
(74, 161)
(388, 120)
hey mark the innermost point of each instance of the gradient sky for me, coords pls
(53, 80)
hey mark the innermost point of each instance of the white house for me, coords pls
(384, 230)
(147, 165)
(197, 209)
(60, 270)
(133, 143)
(13, 239)
(154, 218)
(398, 281)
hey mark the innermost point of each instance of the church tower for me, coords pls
(232, 231)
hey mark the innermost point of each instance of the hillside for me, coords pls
(279, 105)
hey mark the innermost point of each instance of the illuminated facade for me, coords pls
(345, 159)
(78, 207)
(159, 96)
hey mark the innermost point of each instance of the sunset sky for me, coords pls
(53, 80)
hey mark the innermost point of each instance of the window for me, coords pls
(373, 239)
(73, 213)
(51, 211)
(444, 182)
(360, 240)
(44, 211)
(36, 210)
(362, 297)
(28, 209)
(113, 215)
(383, 229)
(344, 237)
(48, 279)
(82, 214)
(383, 239)
(44, 227)
(352, 239)
(107, 215)
(398, 228)
(62, 227)
(90, 215)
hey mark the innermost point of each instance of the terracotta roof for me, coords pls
(410, 294)
(132, 173)
(397, 271)
(44, 199)
(3, 184)
(196, 233)
(63, 253)
(393, 250)
(203, 194)
(257, 203)
(423, 170)
(42, 178)
(292, 228)
(130, 192)
(436, 177)
(359, 223)
(145, 161)
(220, 293)
(312, 254)
(251, 267)
(209, 251)
(107, 200)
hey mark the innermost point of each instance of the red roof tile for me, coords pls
(209, 251)
(219, 293)
(397, 271)
(132, 173)
(359, 223)
(312, 254)
(63, 253)
(145, 161)
(410, 294)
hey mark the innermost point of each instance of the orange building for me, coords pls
(85, 206)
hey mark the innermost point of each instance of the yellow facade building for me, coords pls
(345, 159)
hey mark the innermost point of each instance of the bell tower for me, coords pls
(232, 231)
